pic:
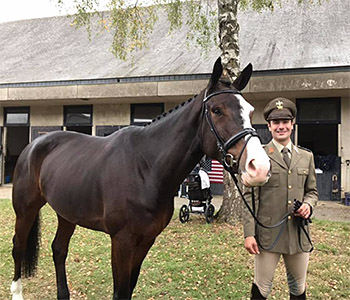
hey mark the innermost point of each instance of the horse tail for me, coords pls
(30, 260)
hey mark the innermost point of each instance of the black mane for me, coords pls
(170, 111)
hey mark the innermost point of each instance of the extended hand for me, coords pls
(251, 245)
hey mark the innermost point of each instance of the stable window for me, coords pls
(16, 116)
(143, 113)
(78, 115)
(318, 110)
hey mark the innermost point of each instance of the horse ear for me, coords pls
(216, 74)
(243, 79)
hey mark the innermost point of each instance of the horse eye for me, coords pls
(217, 111)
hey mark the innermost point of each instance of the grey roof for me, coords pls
(50, 49)
(297, 36)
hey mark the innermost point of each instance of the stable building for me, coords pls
(53, 78)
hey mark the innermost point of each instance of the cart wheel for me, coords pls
(209, 213)
(184, 214)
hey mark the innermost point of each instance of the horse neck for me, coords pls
(177, 138)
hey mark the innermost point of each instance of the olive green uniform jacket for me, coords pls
(275, 199)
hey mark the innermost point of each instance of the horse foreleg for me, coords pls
(122, 255)
(139, 256)
(60, 244)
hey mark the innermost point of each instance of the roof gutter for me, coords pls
(258, 73)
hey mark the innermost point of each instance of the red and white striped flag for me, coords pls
(216, 173)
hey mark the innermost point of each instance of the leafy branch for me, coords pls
(132, 21)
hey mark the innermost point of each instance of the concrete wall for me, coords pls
(46, 115)
(111, 114)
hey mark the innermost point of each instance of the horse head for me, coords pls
(227, 133)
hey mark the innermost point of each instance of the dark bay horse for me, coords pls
(124, 184)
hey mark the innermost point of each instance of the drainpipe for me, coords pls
(347, 188)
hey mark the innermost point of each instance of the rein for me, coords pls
(231, 165)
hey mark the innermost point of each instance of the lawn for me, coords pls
(188, 261)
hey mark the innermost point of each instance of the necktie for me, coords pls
(286, 156)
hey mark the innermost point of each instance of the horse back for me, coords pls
(89, 180)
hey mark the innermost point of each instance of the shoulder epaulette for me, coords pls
(303, 148)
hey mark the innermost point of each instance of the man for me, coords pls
(292, 178)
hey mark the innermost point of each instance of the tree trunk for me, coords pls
(228, 36)
(231, 209)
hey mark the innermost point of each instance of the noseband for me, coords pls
(230, 163)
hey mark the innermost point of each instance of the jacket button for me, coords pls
(289, 186)
(289, 172)
(289, 217)
(289, 202)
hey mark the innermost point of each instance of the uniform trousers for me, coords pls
(296, 268)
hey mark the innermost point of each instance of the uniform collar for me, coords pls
(275, 154)
(279, 146)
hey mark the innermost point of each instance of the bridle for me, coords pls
(230, 163)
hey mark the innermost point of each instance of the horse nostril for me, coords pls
(251, 167)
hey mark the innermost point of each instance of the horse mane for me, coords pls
(161, 116)
(223, 80)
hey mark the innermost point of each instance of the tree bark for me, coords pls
(231, 209)
(228, 37)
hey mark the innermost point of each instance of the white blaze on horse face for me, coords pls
(16, 290)
(257, 164)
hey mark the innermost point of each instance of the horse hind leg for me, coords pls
(59, 246)
(26, 242)
(27, 201)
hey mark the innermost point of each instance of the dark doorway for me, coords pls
(318, 121)
(16, 121)
(17, 138)
(321, 139)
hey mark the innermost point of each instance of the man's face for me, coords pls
(281, 130)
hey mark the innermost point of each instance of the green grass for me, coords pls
(188, 261)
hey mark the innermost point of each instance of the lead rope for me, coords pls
(283, 220)
(282, 225)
